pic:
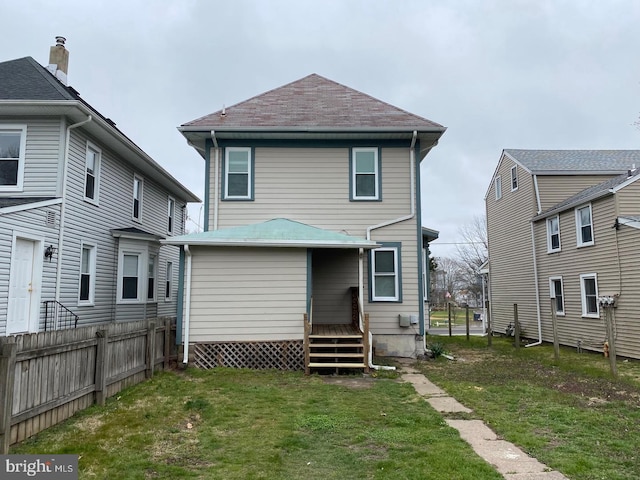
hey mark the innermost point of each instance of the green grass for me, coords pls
(571, 415)
(458, 317)
(238, 424)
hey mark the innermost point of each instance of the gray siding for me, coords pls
(248, 294)
(510, 250)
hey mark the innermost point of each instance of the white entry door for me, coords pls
(24, 283)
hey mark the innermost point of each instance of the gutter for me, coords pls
(63, 205)
(187, 317)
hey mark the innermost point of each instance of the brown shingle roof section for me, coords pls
(313, 102)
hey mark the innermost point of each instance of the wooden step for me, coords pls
(336, 345)
(336, 365)
(336, 355)
(329, 337)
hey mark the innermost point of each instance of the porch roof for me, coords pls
(278, 232)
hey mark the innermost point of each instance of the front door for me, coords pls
(22, 313)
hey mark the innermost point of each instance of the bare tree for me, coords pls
(447, 279)
(472, 253)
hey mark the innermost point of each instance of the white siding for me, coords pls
(247, 294)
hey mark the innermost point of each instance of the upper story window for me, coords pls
(12, 154)
(137, 197)
(589, 291)
(171, 215)
(557, 293)
(514, 178)
(238, 173)
(365, 174)
(553, 234)
(87, 288)
(584, 226)
(92, 176)
(385, 278)
(498, 187)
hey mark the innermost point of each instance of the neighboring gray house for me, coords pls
(82, 209)
(563, 230)
(312, 219)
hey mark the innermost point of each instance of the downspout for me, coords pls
(411, 215)
(63, 205)
(216, 181)
(535, 280)
(187, 313)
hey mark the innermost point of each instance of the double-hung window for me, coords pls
(151, 278)
(557, 293)
(498, 187)
(514, 178)
(168, 281)
(12, 152)
(553, 234)
(92, 173)
(584, 226)
(86, 294)
(171, 212)
(385, 275)
(137, 197)
(131, 273)
(589, 291)
(365, 174)
(238, 168)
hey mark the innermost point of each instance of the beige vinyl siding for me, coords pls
(334, 272)
(248, 294)
(628, 199)
(627, 314)
(510, 250)
(570, 263)
(554, 189)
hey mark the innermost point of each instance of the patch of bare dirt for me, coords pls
(350, 382)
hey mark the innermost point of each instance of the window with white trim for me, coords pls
(589, 291)
(584, 226)
(553, 234)
(556, 292)
(171, 215)
(238, 173)
(365, 174)
(137, 197)
(12, 154)
(514, 178)
(87, 280)
(498, 187)
(151, 278)
(92, 173)
(385, 282)
(168, 281)
(129, 279)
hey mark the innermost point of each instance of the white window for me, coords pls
(589, 290)
(171, 215)
(130, 274)
(168, 281)
(237, 178)
(87, 281)
(12, 152)
(514, 178)
(151, 278)
(584, 226)
(498, 187)
(556, 291)
(92, 175)
(365, 175)
(137, 197)
(385, 276)
(553, 234)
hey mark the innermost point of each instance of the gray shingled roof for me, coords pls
(587, 195)
(575, 161)
(18, 82)
(313, 101)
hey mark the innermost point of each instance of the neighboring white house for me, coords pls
(82, 209)
(312, 207)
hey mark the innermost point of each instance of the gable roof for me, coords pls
(278, 232)
(316, 108)
(29, 89)
(575, 162)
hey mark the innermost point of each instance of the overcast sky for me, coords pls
(499, 74)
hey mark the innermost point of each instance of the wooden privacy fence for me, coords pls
(47, 377)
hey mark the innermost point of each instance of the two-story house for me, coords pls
(312, 229)
(82, 209)
(563, 231)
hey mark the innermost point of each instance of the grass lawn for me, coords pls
(238, 424)
(570, 415)
(458, 316)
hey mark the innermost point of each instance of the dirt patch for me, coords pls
(350, 382)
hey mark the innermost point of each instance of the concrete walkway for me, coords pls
(511, 462)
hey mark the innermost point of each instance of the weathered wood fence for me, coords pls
(47, 377)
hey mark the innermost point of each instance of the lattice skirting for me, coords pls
(282, 355)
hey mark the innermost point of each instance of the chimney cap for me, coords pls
(60, 41)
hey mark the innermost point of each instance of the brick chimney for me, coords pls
(59, 60)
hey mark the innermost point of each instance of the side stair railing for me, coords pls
(58, 317)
